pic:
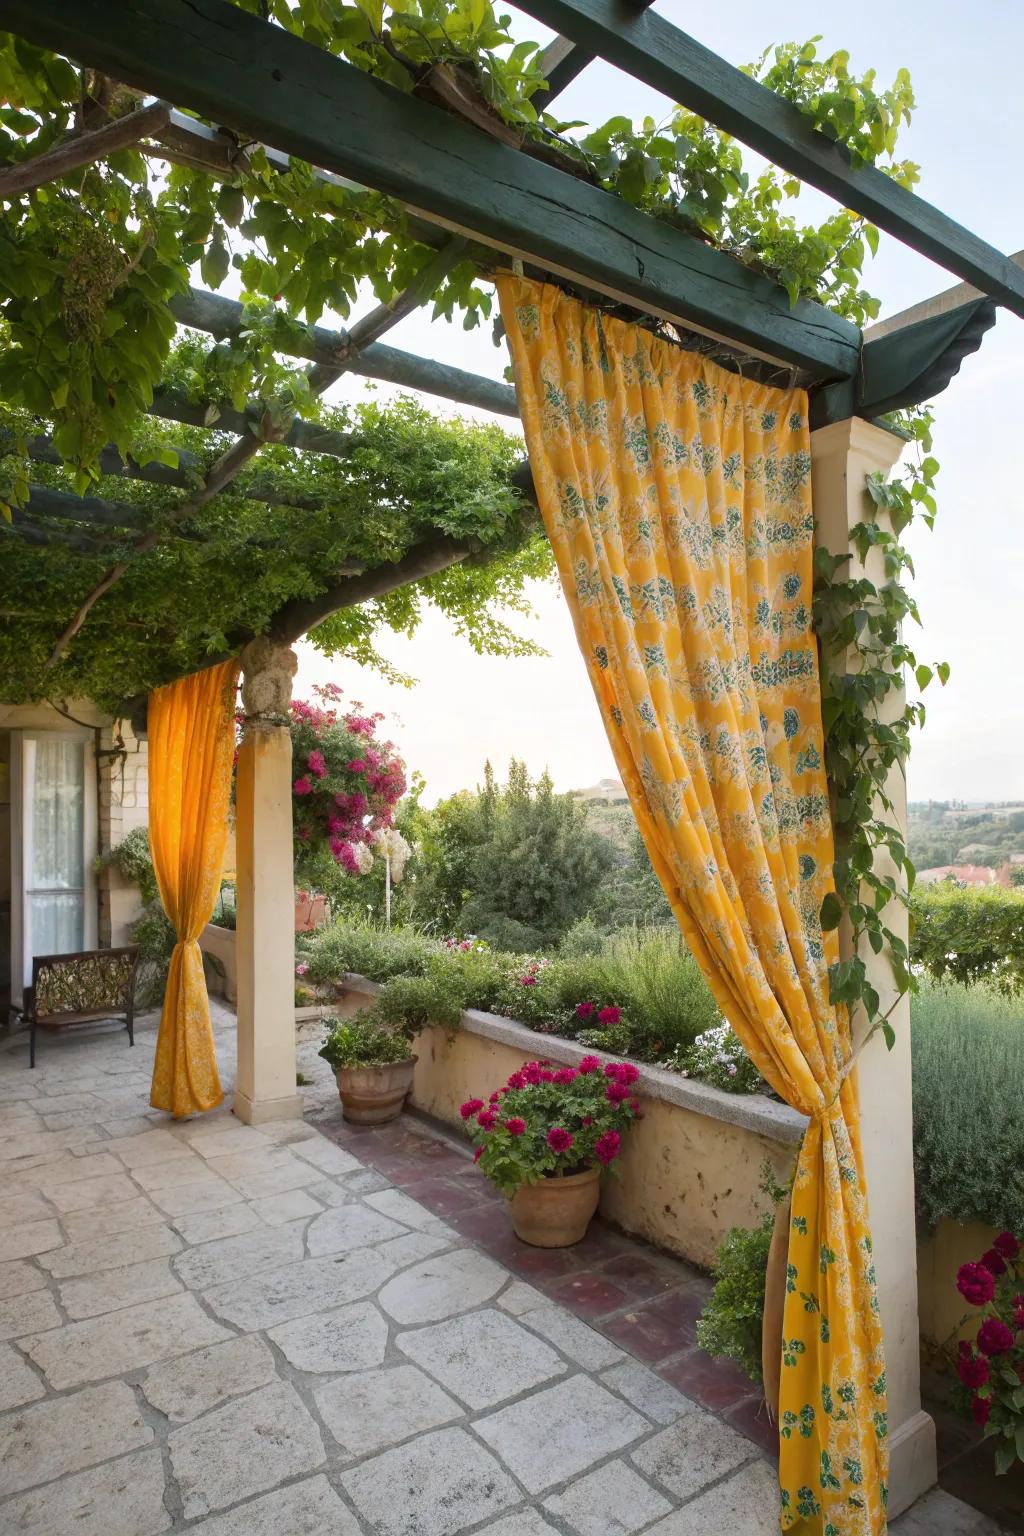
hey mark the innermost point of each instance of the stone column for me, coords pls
(265, 1080)
(842, 456)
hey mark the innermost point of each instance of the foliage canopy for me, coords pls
(90, 263)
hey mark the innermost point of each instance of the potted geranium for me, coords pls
(991, 1366)
(373, 1065)
(545, 1138)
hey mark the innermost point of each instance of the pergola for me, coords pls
(470, 193)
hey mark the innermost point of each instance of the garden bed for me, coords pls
(691, 1167)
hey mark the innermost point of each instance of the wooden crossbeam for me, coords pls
(82, 149)
(654, 50)
(262, 81)
(221, 316)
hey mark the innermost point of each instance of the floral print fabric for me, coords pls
(677, 499)
(191, 746)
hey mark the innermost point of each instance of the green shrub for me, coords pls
(968, 1051)
(616, 1040)
(363, 1042)
(583, 938)
(410, 1003)
(153, 932)
(730, 1325)
(133, 861)
(371, 952)
(969, 935)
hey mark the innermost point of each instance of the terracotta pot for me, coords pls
(310, 911)
(774, 1306)
(555, 1213)
(372, 1095)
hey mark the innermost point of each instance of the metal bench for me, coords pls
(87, 987)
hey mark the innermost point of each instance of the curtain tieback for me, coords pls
(824, 1110)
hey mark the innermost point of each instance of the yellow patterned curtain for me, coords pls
(191, 744)
(677, 499)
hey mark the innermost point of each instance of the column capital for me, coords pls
(268, 667)
(874, 446)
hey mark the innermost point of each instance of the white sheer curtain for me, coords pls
(55, 876)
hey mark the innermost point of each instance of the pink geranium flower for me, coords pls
(302, 786)
(487, 1119)
(616, 1093)
(589, 1064)
(559, 1139)
(315, 763)
(585, 1011)
(515, 1126)
(565, 1075)
(606, 1148)
(609, 1016)
(357, 765)
(470, 1108)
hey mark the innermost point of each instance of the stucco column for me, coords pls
(265, 1080)
(842, 456)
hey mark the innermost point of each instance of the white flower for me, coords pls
(364, 857)
(391, 844)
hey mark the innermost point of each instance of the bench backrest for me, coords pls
(88, 981)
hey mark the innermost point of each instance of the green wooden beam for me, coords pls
(221, 316)
(258, 79)
(649, 47)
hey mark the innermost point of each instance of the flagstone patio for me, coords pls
(306, 1328)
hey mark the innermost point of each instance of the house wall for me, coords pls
(120, 761)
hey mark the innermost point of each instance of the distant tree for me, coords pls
(516, 864)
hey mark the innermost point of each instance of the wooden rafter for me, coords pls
(235, 458)
(654, 50)
(83, 149)
(262, 81)
(221, 316)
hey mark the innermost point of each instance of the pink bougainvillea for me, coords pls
(348, 786)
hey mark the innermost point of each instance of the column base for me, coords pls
(258, 1112)
(913, 1464)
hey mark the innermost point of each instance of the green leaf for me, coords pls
(924, 676)
(831, 912)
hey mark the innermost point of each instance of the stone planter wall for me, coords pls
(222, 972)
(690, 1168)
(940, 1305)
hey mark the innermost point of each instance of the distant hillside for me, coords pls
(609, 814)
(954, 832)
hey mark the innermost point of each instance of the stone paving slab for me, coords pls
(245, 1447)
(436, 1485)
(226, 1330)
(120, 1498)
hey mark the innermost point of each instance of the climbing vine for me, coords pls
(867, 720)
(90, 263)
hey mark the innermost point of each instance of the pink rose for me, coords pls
(993, 1262)
(994, 1337)
(974, 1369)
(1006, 1245)
(980, 1410)
(975, 1284)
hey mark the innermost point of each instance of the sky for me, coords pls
(968, 136)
